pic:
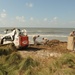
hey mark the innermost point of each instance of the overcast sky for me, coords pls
(37, 13)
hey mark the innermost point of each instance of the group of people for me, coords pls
(44, 40)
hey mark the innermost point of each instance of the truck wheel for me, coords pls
(26, 46)
(1, 41)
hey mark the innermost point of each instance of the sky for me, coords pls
(37, 13)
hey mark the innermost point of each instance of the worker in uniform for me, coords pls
(44, 41)
(72, 33)
(34, 39)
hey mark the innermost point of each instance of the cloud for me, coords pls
(20, 19)
(4, 10)
(3, 17)
(31, 19)
(3, 14)
(72, 22)
(29, 5)
(45, 19)
(54, 20)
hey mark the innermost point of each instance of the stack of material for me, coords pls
(71, 43)
(53, 43)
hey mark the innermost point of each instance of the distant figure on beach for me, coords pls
(24, 32)
(44, 41)
(6, 31)
(34, 39)
(72, 33)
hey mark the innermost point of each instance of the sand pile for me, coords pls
(52, 43)
(57, 46)
(53, 46)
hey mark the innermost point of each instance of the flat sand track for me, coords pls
(53, 48)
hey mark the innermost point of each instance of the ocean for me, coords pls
(49, 33)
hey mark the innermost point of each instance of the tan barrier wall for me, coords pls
(71, 43)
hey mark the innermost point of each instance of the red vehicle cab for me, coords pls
(24, 41)
(21, 41)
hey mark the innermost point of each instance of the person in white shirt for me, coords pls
(72, 33)
(44, 41)
(34, 39)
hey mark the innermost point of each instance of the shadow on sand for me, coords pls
(31, 47)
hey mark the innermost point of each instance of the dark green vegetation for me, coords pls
(11, 63)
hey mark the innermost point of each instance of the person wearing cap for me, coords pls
(34, 39)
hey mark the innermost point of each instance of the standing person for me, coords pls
(34, 39)
(72, 33)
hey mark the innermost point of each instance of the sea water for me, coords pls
(49, 33)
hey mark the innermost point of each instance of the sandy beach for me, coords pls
(47, 59)
(53, 48)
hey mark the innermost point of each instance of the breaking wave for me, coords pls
(48, 35)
